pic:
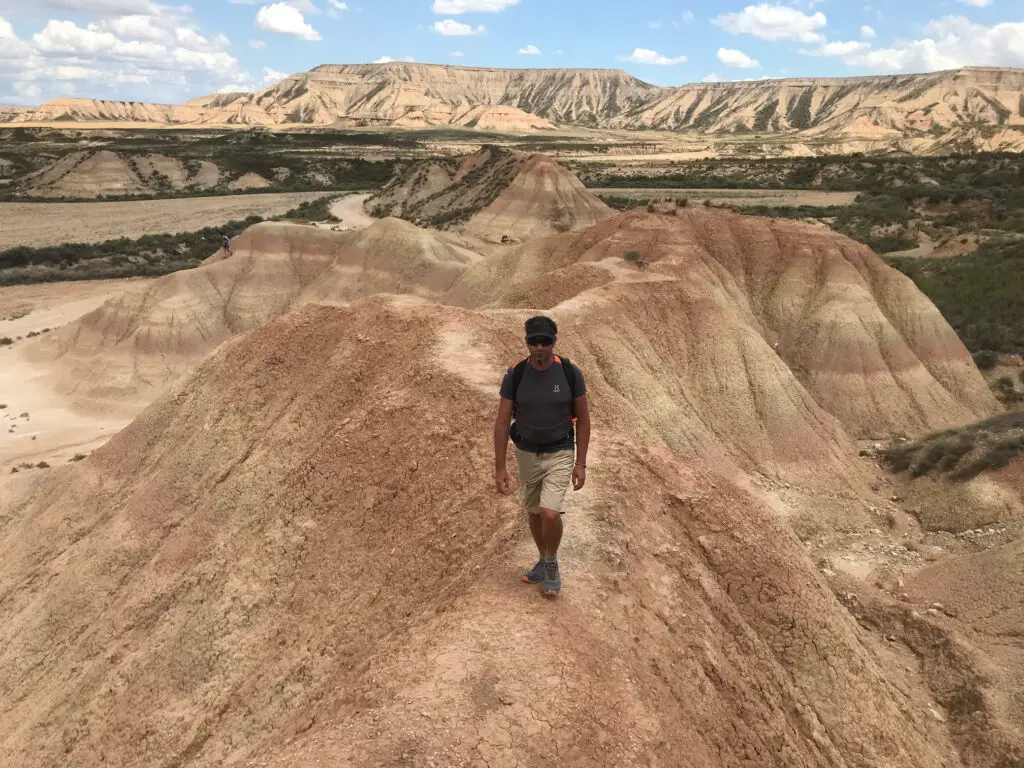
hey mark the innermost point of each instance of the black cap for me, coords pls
(541, 326)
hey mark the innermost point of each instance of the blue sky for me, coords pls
(148, 50)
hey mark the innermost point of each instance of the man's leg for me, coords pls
(551, 532)
(557, 476)
(537, 529)
(529, 489)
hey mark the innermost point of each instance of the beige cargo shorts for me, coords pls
(544, 478)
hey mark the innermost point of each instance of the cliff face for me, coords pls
(973, 107)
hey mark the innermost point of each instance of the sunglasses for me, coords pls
(540, 341)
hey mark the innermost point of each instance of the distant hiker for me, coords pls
(547, 397)
(227, 244)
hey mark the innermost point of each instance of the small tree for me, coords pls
(651, 208)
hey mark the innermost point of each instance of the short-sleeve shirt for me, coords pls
(544, 416)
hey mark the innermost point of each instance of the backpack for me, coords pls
(570, 376)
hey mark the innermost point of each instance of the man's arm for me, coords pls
(582, 430)
(579, 470)
(501, 425)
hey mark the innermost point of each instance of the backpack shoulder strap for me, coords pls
(517, 377)
(570, 376)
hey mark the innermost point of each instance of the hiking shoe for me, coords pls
(552, 579)
(536, 574)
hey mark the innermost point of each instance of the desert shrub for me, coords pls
(312, 210)
(985, 359)
(622, 203)
(991, 444)
(981, 295)
(5, 341)
(77, 457)
(42, 465)
(941, 455)
(651, 208)
(996, 456)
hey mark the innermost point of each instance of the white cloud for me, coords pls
(303, 6)
(257, 45)
(712, 78)
(164, 52)
(388, 59)
(530, 50)
(734, 58)
(868, 33)
(271, 76)
(559, 52)
(839, 48)
(68, 37)
(285, 20)
(100, 7)
(455, 7)
(655, 24)
(647, 56)
(135, 27)
(450, 27)
(977, 3)
(28, 89)
(458, 54)
(774, 22)
(950, 42)
(335, 9)
(66, 72)
(126, 79)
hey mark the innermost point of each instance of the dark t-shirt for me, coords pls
(544, 417)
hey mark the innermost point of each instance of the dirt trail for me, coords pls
(350, 211)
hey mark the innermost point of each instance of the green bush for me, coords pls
(981, 295)
(989, 444)
(986, 359)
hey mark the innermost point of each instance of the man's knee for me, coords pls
(549, 514)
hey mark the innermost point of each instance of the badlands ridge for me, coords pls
(294, 554)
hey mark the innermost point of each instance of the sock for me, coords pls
(549, 559)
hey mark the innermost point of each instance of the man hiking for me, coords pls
(548, 398)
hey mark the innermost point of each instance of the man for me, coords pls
(547, 395)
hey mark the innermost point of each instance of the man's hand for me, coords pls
(501, 481)
(579, 476)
